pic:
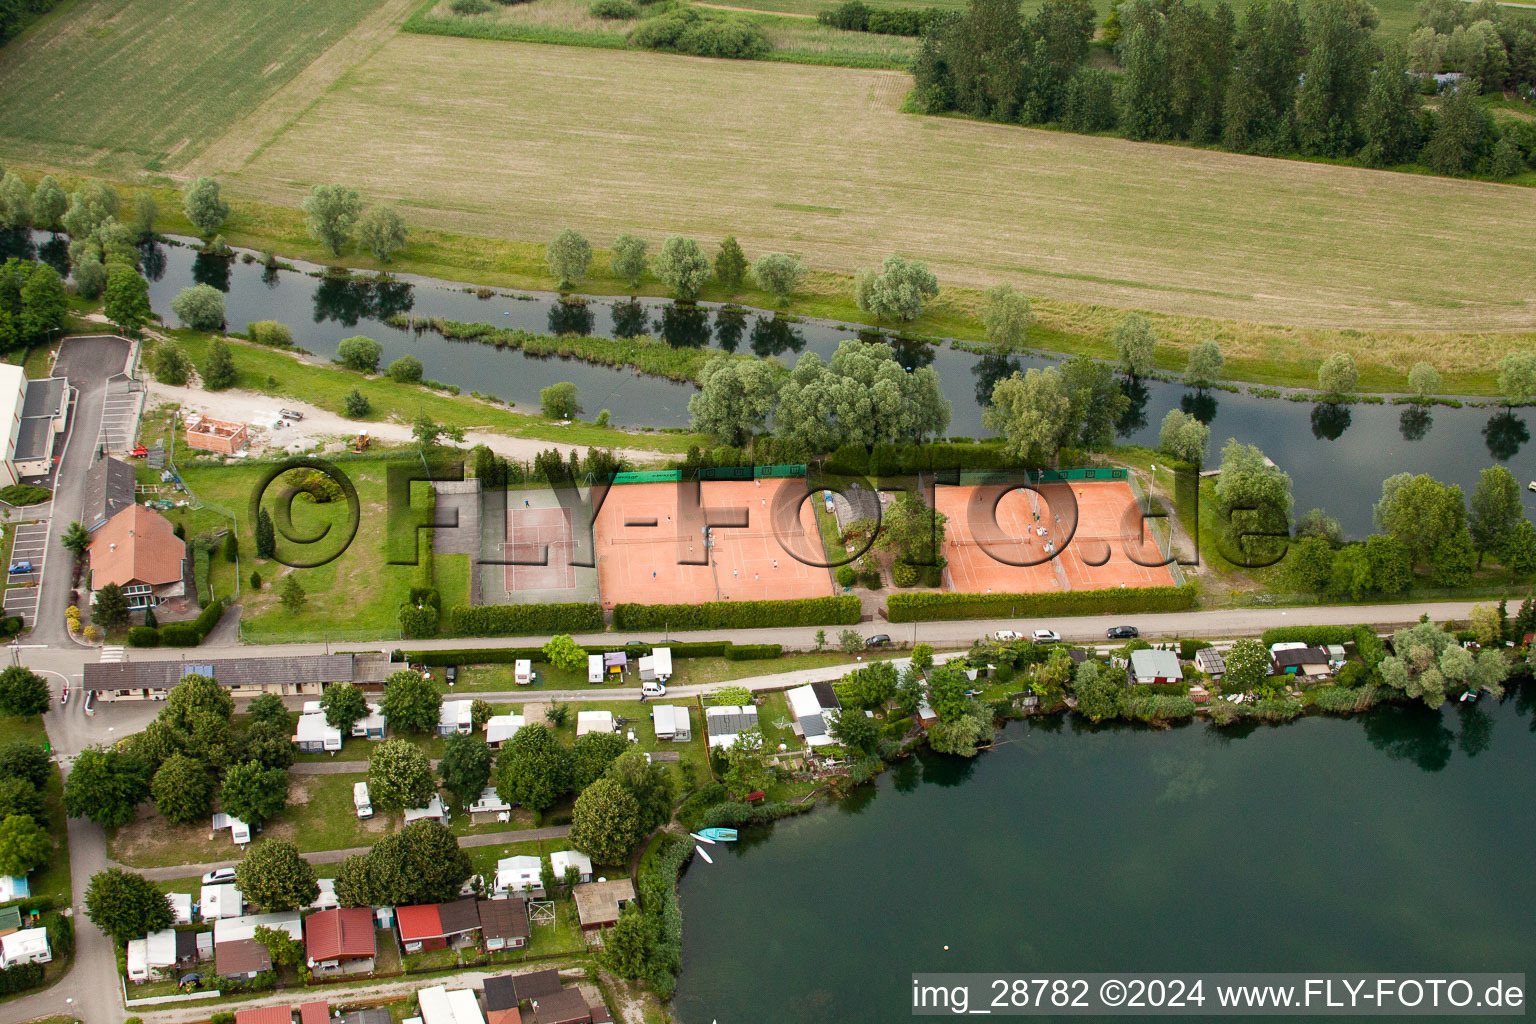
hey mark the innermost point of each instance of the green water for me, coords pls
(1400, 840)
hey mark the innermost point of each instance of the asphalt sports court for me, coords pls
(538, 529)
(758, 536)
(1072, 536)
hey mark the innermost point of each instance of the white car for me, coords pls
(219, 876)
(1045, 636)
(1004, 635)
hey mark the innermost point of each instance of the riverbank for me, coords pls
(1269, 355)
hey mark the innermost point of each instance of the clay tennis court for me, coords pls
(1065, 536)
(651, 543)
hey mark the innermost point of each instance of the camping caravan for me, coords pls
(361, 801)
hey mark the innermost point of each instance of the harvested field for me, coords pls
(128, 85)
(820, 161)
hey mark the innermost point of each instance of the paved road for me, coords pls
(520, 835)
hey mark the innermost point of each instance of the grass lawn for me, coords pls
(774, 709)
(638, 714)
(319, 816)
(129, 85)
(51, 880)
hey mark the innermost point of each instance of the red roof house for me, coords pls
(340, 939)
(316, 1012)
(432, 925)
(265, 1015)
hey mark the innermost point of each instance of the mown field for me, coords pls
(822, 162)
(125, 85)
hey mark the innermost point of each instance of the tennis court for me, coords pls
(716, 540)
(1064, 536)
(538, 529)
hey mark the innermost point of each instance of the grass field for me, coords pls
(150, 84)
(822, 162)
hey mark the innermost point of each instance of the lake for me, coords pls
(1337, 455)
(1399, 840)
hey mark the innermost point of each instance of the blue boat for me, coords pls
(719, 835)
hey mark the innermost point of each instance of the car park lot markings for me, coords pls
(30, 546)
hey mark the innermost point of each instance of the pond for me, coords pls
(1337, 455)
(1399, 840)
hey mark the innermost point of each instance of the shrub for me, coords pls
(1187, 648)
(751, 652)
(356, 404)
(359, 352)
(269, 332)
(406, 370)
(1312, 636)
(845, 576)
(560, 401)
(143, 636)
(930, 607)
(24, 494)
(469, 6)
(614, 9)
(903, 574)
(200, 307)
(685, 30)
(815, 611)
(525, 619)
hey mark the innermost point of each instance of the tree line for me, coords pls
(1284, 79)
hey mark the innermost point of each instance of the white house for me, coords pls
(501, 728)
(657, 666)
(519, 875)
(560, 860)
(314, 735)
(181, 907)
(433, 810)
(593, 721)
(489, 802)
(221, 901)
(440, 1006)
(28, 946)
(724, 723)
(671, 723)
(233, 929)
(455, 716)
(371, 726)
(809, 716)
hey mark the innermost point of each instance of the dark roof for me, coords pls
(241, 956)
(813, 725)
(501, 991)
(568, 1006)
(34, 440)
(1077, 654)
(109, 488)
(43, 397)
(537, 984)
(504, 919)
(186, 947)
(600, 1015)
(1308, 656)
(373, 1015)
(459, 916)
(304, 668)
(826, 696)
(730, 725)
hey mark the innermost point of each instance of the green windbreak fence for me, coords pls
(976, 477)
(668, 476)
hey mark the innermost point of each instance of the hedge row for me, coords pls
(507, 655)
(811, 611)
(926, 607)
(178, 634)
(1312, 636)
(521, 619)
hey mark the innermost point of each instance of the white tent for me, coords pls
(433, 810)
(500, 728)
(181, 907)
(370, 726)
(657, 666)
(455, 716)
(671, 723)
(440, 1006)
(233, 929)
(519, 874)
(594, 668)
(239, 831)
(490, 801)
(160, 948)
(327, 899)
(314, 734)
(220, 901)
(14, 887)
(593, 721)
(562, 859)
(29, 946)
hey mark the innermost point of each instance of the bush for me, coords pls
(560, 401)
(143, 636)
(359, 352)
(685, 30)
(927, 607)
(616, 10)
(1158, 707)
(903, 574)
(406, 370)
(850, 16)
(200, 307)
(845, 576)
(469, 6)
(1187, 648)
(180, 634)
(525, 619)
(1312, 636)
(24, 494)
(751, 652)
(814, 611)
(269, 332)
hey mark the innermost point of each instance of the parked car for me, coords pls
(1045, 636)
(878, 640)
(218, 876)
(20, 567)
(652, 689)
(190, 980)
(636, 643)
(451, 674)
(1004, 635)
(290, 414)
(1123, 633)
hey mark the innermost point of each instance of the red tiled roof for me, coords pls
(316, 1012)
(340, 933)
(265, 1015)
(136, 545)
(418, 923)
(508, 1016)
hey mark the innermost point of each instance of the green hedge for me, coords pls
(180, 634)
(753, 652)
(208, 618)
(1312, 636)
(143, 636)
(521, 619)
(925, 607)
(202, 560)
(813, 611)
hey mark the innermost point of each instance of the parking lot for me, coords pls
(22, 588)
(119, 414)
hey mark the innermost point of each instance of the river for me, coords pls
(1337, 455)
(1400, 840)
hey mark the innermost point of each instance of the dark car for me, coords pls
(452, 674)
(878, 640)
(190, 980)
(636, 643)
(1123, 633)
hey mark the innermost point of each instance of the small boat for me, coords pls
(719, 835)
(702, 839)
(1470, 695)
(700, 851)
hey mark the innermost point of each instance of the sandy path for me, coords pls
(321, 426)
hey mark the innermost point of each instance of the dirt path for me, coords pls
(777, 14)
(321, 426)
